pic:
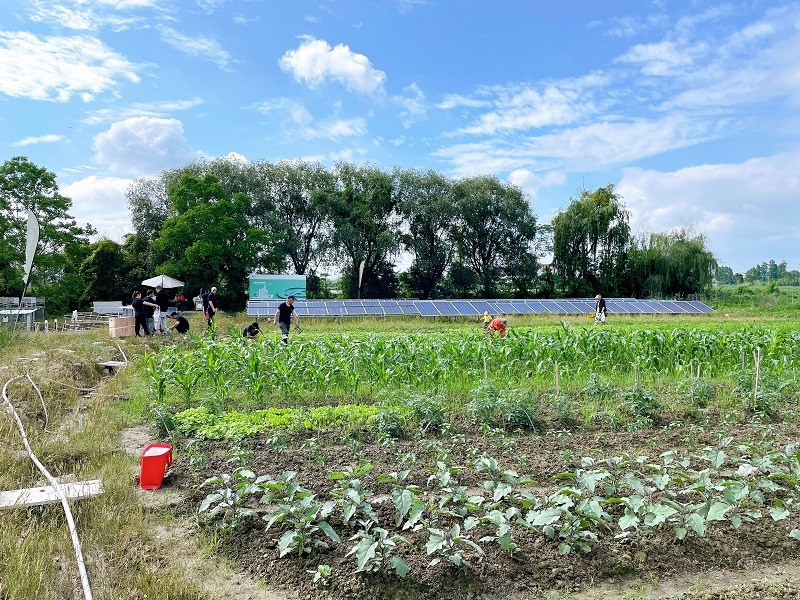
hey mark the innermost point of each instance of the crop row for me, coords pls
(457, 523)
(217, 370)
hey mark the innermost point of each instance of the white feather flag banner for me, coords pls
(31, 242)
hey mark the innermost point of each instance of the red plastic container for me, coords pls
(155, 460)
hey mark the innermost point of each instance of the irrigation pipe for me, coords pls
(76, 544)
(41, 398)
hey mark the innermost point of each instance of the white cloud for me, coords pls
(587, 148)
(197, 45)
(141, 109)
(56, 68)
(41, 139)
(142, 145)
(210, 6)
(522, 107)
(459, 101)
(297, 112)
(414, 107)
(80, 18)
(302, 124)
(101, 201)
(746, 208)
(663, 58)
(315, 61)
(531, 183)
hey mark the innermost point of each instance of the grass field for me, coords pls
(413, 458)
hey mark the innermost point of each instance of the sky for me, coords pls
(691, 109)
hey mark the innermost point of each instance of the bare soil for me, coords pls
(726, 563)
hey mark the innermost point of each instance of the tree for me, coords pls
(106, 273)
(496, 229)
(590, 241)
(425, 202)
(23, 186)
(210, 240)
(365, 227)
(677, 263)
(299, 210)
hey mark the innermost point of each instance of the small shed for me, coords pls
(8, 316)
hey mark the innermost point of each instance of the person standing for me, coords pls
(284, 316)
(487, 318)
(150, 308)
(160, 317)
(141, 308)
(213, 305)
(204, 300)
(600, 310)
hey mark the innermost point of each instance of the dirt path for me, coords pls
(178, 543)
(771, 582)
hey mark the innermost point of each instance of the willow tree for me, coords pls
(495, 231)
(425, 202)
(591, 239)
(365, 229)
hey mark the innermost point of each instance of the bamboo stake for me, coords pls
(757, 360)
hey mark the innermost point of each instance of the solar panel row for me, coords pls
(473, 308)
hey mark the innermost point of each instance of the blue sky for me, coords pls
(690, 108)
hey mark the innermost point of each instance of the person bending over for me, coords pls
(251, 331)
(181, 324)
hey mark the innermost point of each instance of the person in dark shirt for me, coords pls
(213, 306)
(181, 325)
(599, 309)
(251, 331)
(160, 318)
(141, 311)
(284, 316)
(150, 310)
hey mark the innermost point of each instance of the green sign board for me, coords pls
(277, 287)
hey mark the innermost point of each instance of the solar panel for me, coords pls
(505, 307)
(700, 306)
(520, 307)
(427, 308)
(621, 307)
(464, 307)
(471, 308)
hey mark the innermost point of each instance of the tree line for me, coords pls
(215, 222)
(766, 272)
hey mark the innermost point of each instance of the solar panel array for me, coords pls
(473, 308)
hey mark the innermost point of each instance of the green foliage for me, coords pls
(641, 404)
(590, 241)
(204, 423)
(426, 411)
(209, 241)
(496, 230)
(25, 186)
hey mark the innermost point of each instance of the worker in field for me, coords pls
(498, 326)
(181, 324)
(284, 317)
(599, 309)
(251, 331)
(487, 318)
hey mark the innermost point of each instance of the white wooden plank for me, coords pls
(47, 495)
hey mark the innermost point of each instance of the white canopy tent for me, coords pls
(165, 281)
